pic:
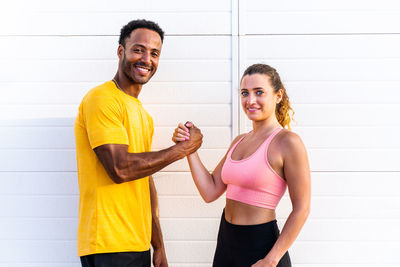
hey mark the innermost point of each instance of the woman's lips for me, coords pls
(253, 109)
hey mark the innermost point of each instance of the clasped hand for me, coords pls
(190, 134)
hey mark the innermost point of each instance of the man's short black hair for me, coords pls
(136, 24)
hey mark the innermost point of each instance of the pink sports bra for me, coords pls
(252, 180)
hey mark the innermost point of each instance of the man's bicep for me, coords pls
(110, 155)
(111, 150)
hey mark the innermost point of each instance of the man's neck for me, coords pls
(127, 86)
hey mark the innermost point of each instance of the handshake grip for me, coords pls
(193, 143)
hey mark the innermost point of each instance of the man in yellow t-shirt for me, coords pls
(118, 209)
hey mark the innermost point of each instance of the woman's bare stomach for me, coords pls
(244, 214)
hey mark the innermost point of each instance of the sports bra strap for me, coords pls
(264, 144)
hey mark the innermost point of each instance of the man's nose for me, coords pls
(146, 58)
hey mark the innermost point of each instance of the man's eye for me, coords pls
(154, 54)
(259, 92)
(137, 50)
(244, 93)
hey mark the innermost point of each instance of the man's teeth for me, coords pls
(142, 69)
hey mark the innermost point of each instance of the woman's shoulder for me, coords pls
(289, 140)
(236, 139)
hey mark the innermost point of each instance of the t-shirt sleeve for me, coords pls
(104, 121)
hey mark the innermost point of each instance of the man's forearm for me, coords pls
(133, 166)
(156, 229)
(156, 234)
(123, 166)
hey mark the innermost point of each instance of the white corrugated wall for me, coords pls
(339, 60)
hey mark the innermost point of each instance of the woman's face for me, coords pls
(258, 98)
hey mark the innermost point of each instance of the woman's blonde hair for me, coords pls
(283, 111)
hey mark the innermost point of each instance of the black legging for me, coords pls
(244, 245)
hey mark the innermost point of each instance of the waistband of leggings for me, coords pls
(270, 224)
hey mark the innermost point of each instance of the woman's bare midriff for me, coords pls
(240, 213)
(244, 214)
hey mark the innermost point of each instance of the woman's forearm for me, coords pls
(289, 233)
(209, 188)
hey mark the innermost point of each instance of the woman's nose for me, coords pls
(251, 99)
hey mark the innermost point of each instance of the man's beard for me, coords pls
(126, 67)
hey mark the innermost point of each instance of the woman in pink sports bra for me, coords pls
(255, 173)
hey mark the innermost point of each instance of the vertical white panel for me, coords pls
(52, 53)
(356, 46)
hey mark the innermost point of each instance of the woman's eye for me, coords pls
(244, 93)
(259, 92)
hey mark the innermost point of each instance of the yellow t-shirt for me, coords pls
(112, 217)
